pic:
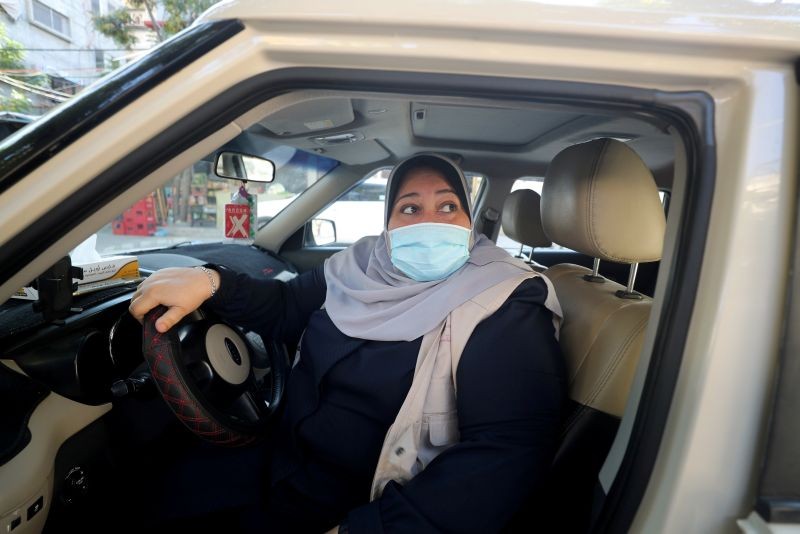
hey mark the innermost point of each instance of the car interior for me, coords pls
(579, 190)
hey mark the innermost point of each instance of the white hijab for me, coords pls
(369, 298)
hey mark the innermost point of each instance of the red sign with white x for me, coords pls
(237, 221)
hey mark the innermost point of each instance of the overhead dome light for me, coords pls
(338, 139)
(622, 138)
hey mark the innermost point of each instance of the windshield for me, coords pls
(190, 207)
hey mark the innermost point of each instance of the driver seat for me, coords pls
(600, 199)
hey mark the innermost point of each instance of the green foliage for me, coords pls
(117, 26)
(12, 57)
(15, 101)
(42, 80)
(151, 7)
(11, 53)
(181, 13)
(113, 63)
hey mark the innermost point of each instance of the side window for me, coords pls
(476, 184)
(359, 212)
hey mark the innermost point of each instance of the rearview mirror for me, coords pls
(243, 167)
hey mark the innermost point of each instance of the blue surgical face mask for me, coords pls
(429, 251)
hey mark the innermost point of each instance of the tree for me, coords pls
(15, 101)
(116, 25)
(179, 14)
(12, 58)
(11, 54)
(150, 6)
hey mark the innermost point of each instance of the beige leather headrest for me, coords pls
(522, 219)
(600, 199)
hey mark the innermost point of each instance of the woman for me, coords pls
(365, 441)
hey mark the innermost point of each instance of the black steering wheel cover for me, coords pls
(160, 352)
(278, 362)
(280, 371)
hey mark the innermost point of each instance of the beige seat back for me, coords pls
(522, 222)
(601, 338)
(599, 199)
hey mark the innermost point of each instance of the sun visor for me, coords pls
(310, 116)
(357, 153)
(513, 127)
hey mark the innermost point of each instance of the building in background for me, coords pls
(62, 50)
(142, 27)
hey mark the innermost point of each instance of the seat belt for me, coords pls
(489, 218)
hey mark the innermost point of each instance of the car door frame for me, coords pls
(690, 112)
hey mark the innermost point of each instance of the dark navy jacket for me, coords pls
(345, 393)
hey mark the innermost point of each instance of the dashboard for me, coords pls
(89, 356)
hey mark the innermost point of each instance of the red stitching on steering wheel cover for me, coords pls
(159, 352)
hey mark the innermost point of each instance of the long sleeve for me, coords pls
(511, 391)
(272, 308)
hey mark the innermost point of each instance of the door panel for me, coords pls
(28, 476)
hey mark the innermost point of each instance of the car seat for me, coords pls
(600, 199)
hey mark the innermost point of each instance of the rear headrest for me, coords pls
(600, 199)
(522, 219)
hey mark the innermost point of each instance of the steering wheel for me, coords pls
(204, 369)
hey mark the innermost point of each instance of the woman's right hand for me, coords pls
(181, 289)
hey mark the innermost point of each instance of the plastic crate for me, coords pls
(139, 228)
(138, 218)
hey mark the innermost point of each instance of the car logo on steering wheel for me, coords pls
(233, 351)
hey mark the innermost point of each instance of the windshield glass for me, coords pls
(190, 207)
